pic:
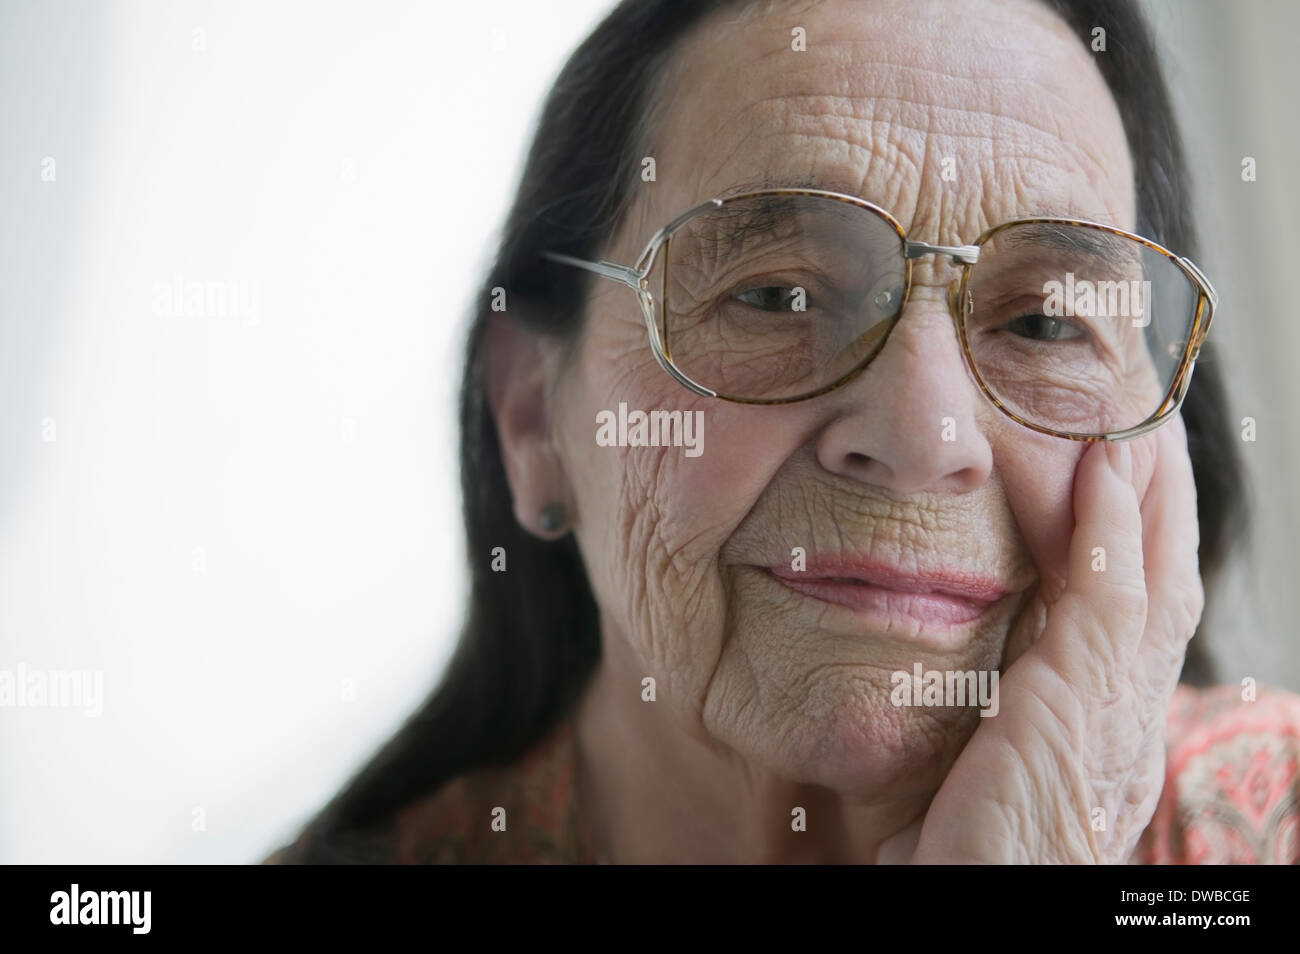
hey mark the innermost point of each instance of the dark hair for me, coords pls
(531, 639)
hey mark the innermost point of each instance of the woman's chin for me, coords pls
(848, 728)
(872, 749)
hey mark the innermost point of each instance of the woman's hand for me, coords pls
(1071, 767)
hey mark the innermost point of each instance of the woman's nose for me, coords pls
(908, 421)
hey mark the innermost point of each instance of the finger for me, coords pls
(1095, 629)
(1171, 537)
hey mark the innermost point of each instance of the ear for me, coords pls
(521, 369)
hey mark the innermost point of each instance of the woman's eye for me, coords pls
(776, 298)
(1043, 328)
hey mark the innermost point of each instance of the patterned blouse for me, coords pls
(1231, 796)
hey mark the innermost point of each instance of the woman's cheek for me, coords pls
(1039, 482)
(718, 459)
(741, 450)
(652, 518)
(1038, 478)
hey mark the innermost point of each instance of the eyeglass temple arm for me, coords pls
(620, 273)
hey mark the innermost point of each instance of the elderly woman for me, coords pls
(831, 463)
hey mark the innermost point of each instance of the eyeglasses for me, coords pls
(1071, 328)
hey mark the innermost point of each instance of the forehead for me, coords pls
(955, 117)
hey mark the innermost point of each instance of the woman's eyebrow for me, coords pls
(730, 230)
(1109, 249)
(773, 181)
(734, 225)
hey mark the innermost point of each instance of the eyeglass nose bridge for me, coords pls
(963, 255)
(960, 254)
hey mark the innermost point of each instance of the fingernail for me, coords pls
(1121, 459)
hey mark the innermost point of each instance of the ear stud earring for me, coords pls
(552, 517)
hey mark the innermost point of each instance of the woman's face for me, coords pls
(887, 98)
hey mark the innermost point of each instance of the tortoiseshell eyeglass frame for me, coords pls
(636, 277)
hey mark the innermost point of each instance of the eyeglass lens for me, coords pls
(1069, 327)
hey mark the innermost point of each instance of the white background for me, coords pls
(251, 523)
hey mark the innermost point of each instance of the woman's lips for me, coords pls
(934, 598)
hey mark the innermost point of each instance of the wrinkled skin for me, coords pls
(767, 699)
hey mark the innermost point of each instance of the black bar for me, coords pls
(239, 903)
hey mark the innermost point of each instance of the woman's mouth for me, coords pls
(937, 599)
